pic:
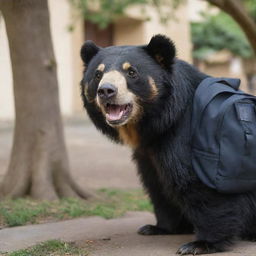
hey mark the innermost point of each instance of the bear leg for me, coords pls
(170, 219)
(217, 221)
(184, 227)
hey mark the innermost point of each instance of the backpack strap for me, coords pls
(246, 115)
(205, 92)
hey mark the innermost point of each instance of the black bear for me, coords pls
(142, 96)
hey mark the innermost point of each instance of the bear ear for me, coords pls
(162, 49)
(88, 51)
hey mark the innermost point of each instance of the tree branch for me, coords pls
(237, 11)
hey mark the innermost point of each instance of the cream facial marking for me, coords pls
(86, 90)
(124, 96)
(115, 78)
(86, 93)
(154, 90)
(126, 65)
(101, 67)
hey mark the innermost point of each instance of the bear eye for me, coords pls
(98, 75)
(132, 73)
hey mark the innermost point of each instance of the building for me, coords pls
(129, 29)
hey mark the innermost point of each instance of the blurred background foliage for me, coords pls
(251, 6)
(109, 10)
(216, 33)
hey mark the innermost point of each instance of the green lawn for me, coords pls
(112, 203)
(51, 248)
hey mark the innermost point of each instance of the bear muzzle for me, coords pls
(116, 102)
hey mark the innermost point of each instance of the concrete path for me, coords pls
(135, 245)
(116, 237)
(72, 230)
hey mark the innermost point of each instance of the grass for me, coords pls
(112, 203)
(52, 248)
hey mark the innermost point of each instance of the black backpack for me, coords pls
(224, 136)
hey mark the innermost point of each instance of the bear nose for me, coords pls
(107, 91)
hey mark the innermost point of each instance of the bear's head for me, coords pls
(119, 81)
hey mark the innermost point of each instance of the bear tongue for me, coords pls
(114, 112)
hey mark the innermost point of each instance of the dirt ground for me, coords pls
(95, 161)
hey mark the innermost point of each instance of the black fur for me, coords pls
(88, 51)
(162, 50)
(181, 202)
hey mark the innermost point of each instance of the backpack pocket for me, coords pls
(206, 166)
(237, 168)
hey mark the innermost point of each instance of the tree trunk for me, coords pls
(39, 164)
(236, 10)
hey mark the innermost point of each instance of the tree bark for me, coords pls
(237, 11)
(39, 164)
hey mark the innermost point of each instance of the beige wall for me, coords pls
(6, 89)
(77, 65)
(196, 7)
(129, 31)
(62, 42)
(134, 30)
(233, 68)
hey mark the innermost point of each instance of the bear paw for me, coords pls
(198, 247)
(151, 230)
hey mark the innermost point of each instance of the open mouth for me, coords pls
(117, 114)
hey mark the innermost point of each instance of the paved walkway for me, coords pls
(116, 237)
(91, 228)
